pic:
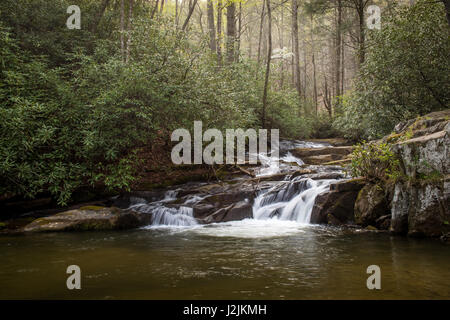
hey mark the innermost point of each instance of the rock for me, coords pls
(325, 176)
(125, 200)
(239, 211)
(321, 159)
(383, 222)
(336, 207)
(309, 152)
(348, 185)
(399, 210)
(445, 238)
(302, 172)
(323, 155)
(335, 142)
(429, 210)
(426, 154)
(370, 205)
(420, 204)
(90, 219)
(273, 177)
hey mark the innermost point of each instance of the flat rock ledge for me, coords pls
(89, 219)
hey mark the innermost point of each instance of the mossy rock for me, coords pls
(92, 208)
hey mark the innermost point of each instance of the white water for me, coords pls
(284, 205)
(251, 229)
(163, 215)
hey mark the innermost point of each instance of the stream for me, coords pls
(276, 254)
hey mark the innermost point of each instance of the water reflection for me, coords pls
(246, 260)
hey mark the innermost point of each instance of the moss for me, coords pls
(92, 208)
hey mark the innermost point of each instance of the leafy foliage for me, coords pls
(74, 114)
(375, 161)
(406, 73)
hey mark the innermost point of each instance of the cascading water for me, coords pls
(292, 202)
(163, 215)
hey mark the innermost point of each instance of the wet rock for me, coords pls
(445, 238)
(335, 207)
(323, 155)
(348, 185)
(383, 222)
(303, 172)
(370, 205)
(239, 211)
(308, 152)
(98, 218)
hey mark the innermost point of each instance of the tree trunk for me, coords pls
(260, 30)
(219, 32)
(280, 36)
(191, 10)
(99, 15)
(342, 65)
(122, 29)
(338, 50)
(296, 48)
(362, 35)
(176, 13)
(129, 27)
(314, 67)
(162, 6)
(238, 40)
(231, 31)
(269, 55)
(211, 26)
(155, 8)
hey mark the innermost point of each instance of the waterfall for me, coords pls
(294, 202)
(290, 200)
(163, 215)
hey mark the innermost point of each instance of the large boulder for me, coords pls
(370, 205)
(421, 209)
(90, 218)
(235, 212)
(336, 206)
(420, 204)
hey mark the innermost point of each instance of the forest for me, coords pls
(253, 150)
(85, 106)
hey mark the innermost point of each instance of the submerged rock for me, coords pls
(89, 218)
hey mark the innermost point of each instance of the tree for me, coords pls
(231, 31)
(191, 11)
(295, 48)
(211, 26)
(269, 55)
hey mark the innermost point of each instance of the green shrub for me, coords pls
(375, 162)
